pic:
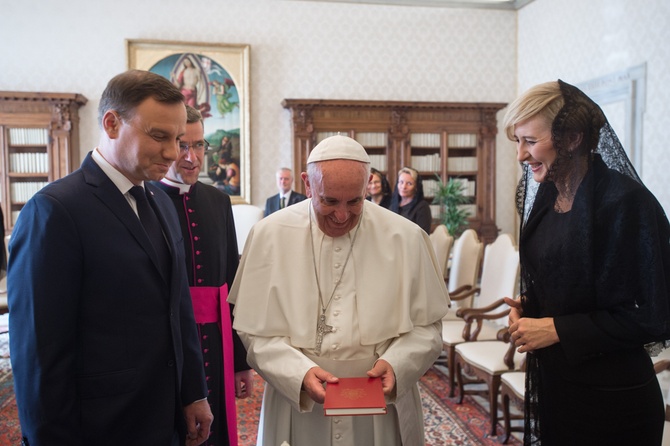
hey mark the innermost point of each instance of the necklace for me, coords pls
(321, 327)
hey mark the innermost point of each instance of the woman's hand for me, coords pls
(516, 311)
(530, 334)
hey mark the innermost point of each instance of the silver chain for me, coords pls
(325, 306)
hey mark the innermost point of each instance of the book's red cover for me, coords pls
(355, 396)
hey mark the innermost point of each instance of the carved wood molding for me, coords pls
(400, 121)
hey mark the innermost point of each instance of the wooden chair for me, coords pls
(245, 216)
(512, 392)
(464, 271)
(499, 277)
(485, 360)
(463, 275)
(442, 242)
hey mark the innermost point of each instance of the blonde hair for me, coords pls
(544, 100)
(411, 172)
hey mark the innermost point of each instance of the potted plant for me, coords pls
(450, 196)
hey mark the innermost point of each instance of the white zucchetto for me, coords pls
(338, 147)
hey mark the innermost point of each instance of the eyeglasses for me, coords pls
(197, 146)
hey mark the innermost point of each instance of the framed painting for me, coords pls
(214, 79)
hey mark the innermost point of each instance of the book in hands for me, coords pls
(355, 396)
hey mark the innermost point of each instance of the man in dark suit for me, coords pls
(286, 196)
(104, 344)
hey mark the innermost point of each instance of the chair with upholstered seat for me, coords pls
(245, 216)
(512, 391)
(486, 362)
(485, 356)
(442, 242)
(462, 279)
(499, 277)
(463, 273)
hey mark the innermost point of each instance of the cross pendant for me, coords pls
(321, 329)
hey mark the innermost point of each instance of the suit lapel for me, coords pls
(107, 192)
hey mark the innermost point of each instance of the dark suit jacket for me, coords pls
(104, 350)
(273, 203)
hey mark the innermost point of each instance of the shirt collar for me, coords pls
(119, 180)
(183, 188)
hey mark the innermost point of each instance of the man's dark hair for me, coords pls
(193, 115)
(127, 90)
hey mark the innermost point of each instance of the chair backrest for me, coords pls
(245, 216)
(500, 273)
(442, 242)
(464, 268)
(465, 259)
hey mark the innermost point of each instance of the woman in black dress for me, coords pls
(595, 277)
(408, 199)
(379, 190)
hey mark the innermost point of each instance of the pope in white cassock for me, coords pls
(336, 286)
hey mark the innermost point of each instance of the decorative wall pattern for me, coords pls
(298, 50)
(348, 51)
(578, 41)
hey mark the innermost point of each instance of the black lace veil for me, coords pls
(578, 114)
(602, 138)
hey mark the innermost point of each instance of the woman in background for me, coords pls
(408, 199)
(595, 262)
(379, 190)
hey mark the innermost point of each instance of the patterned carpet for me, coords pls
(447, 423)
(10, 432)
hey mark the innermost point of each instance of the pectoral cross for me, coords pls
(321, 329)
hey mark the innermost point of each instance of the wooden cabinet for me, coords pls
(439, 139)
(39, 140)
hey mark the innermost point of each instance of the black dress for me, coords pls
(385, 201)
(601, 272)
(418, 212)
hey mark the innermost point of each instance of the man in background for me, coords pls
(286, 196)
(206, 220)
(362, 295)
(104, 344)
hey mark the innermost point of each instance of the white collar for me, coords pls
(183, 188)
(119, 179)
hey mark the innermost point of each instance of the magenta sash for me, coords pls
(209, 306)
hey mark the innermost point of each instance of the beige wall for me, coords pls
(348, 51)
(298, 50)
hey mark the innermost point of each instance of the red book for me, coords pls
(355, 396)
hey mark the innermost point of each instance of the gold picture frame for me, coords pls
(214, 79)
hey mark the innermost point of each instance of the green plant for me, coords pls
(450, 196)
